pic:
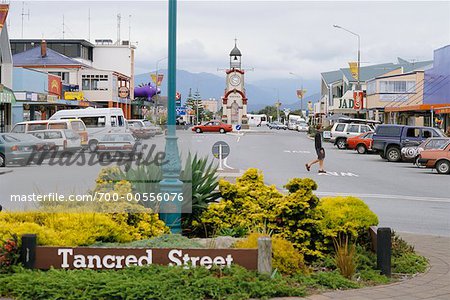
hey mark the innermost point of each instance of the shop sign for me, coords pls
(73, 95)
(124, 92)
(54, 85)
(358, 98)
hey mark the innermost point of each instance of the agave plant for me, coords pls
(200, 183)
(145, 179)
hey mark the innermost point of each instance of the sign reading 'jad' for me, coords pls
(119, 258)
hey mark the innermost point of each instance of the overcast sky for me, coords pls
(275, 37)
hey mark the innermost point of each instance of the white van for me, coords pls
(67, 124)
(98, 121)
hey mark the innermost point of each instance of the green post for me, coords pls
(171, 211)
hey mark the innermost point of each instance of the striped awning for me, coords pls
(7, 95)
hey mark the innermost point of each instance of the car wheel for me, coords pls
(361, 149)
(222, 130)
(2, 160)
(443, 167)
(93, 145)
(393, 154)
(284, 128)
(341, 143)
(198, 130)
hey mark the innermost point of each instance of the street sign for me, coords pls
(181, 110)
(238, 127)
(220, 150)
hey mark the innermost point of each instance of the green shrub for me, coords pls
(333, 280)
(344, 216)
(152, 282)
(372, 277)
(409, 263)
(163, 241)
(286, 259)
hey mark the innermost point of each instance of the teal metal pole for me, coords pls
(171, 211)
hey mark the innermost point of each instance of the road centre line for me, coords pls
(383, 196)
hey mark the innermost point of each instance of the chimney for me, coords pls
(43, 48)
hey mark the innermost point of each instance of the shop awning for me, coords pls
(7, 95)
(419, 107)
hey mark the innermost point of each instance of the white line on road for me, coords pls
(382, 196)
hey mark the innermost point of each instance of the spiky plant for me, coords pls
(200, 184)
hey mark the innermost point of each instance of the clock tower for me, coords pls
(234, 101)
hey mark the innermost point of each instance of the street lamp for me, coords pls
(359, 51)
(301, 89)
(171, 184)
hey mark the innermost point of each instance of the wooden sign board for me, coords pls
(118, 258)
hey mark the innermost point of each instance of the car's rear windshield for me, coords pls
(389, 130)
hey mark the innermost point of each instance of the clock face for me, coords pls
(235, 80)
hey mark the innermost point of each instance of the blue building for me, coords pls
(437, 88)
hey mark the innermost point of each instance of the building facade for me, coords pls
(7, 99)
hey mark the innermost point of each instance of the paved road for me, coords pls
(405, 198)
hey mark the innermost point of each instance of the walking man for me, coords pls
(320, 153)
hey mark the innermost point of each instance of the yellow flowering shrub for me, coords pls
(286, 259)
(298, 217)
(243, 205)
(347, 216)
(85, 223)
(80, 229)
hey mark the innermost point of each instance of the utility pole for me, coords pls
(89, 25)
(63, 28)
(23, 14)
(119, 17)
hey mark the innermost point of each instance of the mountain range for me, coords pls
(260, 93)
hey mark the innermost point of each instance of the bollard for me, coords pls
(28, 250)
(265, 255)
(384, 251)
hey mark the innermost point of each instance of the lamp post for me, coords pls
(171, 211)
(301, 89)
(359, 51)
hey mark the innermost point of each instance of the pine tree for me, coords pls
(195, 103)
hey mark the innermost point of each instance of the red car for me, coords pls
(213, 126)
(361, 143)
(436, 158)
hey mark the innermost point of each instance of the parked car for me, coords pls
(389, 139)
(292, 126)
(277, 125)
(66, 124)
(302, 126)
(64, 140)
(140, 130)
(17, 148)
(119, 144)
(341, 131)
(413, 152)
(361, 143)
(436, 158)
(213, 126)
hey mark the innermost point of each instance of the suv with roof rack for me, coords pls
(341, 131)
